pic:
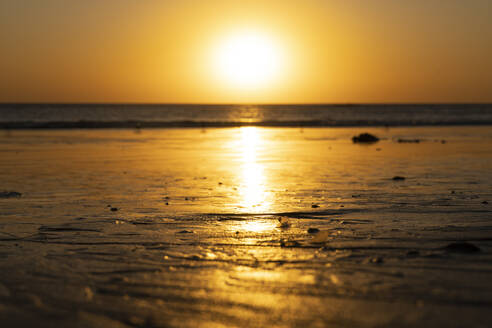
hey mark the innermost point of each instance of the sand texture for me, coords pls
(246, 227)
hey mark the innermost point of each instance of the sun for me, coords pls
(248, 60)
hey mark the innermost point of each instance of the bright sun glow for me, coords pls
(248, 60)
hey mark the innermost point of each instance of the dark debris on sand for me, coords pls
(313, 230)
(283, 222)
(398, 178)
(10, 194)
(289, 243)
(365, 138)
(374, 260)
(413, 253)
(462, 247)
(401, 140)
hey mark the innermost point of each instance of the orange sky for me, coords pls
(163, 51)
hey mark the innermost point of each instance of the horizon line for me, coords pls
(245, 103)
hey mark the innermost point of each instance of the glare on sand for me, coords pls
(259, 226)
(252, 189)
(255, 225)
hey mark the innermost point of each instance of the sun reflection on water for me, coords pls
(252, 189)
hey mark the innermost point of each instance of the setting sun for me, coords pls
(248, 60)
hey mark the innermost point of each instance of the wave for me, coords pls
(93, 116)
(228, 124)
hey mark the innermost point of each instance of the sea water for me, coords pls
(127, 115)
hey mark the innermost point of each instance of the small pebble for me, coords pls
(289, 243)
(365, 138)
(408, 140)
(89, 294)
(10, 194)
(314, 206)
(462, 247)
(413, 253)
(376, 260)
(313, 230)
(284, 222)
(114, 209)
(398, 178)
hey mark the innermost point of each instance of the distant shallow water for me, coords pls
(57, 116)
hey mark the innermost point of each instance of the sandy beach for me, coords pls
(246, 227)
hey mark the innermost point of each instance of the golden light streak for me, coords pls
(252, 188)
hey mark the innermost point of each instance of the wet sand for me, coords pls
(210, 228)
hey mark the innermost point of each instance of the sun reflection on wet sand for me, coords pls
(256, 275)
(252, 188)
(257, 226)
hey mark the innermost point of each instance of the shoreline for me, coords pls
(193, 124)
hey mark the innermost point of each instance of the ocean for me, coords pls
(15, 116)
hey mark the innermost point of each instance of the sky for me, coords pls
(289, 51)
